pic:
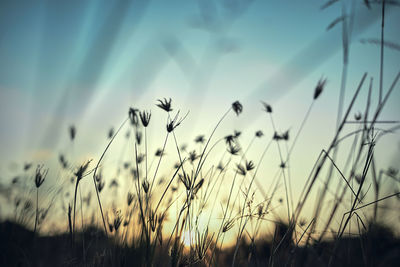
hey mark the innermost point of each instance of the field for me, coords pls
(310, 180)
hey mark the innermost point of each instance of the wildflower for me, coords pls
(133, 116)
(114, 183)
(357, 116)
(229, 139)
(145, 117)
(166, 105)
(138, 136)
(72, 132)
(199, 139)
(117, 220)
(241, 170)
(220, 167)
(130, 198)
(193, 156)
(174, 123)
(159, 152)
(249, 165)
(260, 211)
(319, 88)
(285, 135)
(15, 180)
(140, 158)
(153, 221)
(392, 172)
(40, 175)
(259, 133)
(27, 166)
(146, 186)
(111, 133)
(100, 185)
(228, 225)
(233, 149)
(183, 147)
(63, 161)
(267, 107)
(236, 134)
(302, 222)
(276, 136)
(197, 187)
(237, 107)
(282, 165)
(81, 170)
(185, 179)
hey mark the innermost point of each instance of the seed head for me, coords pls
(159, 152)
(133, 116)
(233, 149)
(145, 117)
(110, 133)
(63, 161)
(237, 107)
(72, 132)
(79, 173)
(175, 122)
(229, 139)
(166, 105)
(228, 225)
(357, 116)
(146, 186)
(138, 136)
(130, 198)
(198, 186)
(100, 185)
(27, 166)
(249, 165)
(241, 170)
(319, 88)
(285, 135)
(193, 156)
(40, 175)
(117, 220)
(236, 133)
(199, 139)
(267, 107)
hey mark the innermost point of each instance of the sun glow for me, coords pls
(188, 238)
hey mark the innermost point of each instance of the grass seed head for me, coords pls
(319, 88)
(145, 117)
(259, 134)
(233, 149)
(237, 107)
(241, 170)
(40, 175)
(249, 165)
(199, 139)
(80, 172)
(267, 107)
(133, 117)
(165, 105)
(146, 186)
(72, 132)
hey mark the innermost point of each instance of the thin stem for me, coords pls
(95, 171)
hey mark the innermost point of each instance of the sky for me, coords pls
(84, 63)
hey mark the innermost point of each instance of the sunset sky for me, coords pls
(84, 63)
